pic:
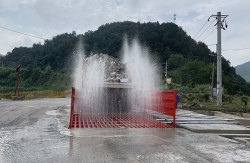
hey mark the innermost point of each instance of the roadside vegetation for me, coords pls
(26, 95)
(199, 99)
(34, 79)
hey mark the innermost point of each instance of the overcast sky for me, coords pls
(48, 18)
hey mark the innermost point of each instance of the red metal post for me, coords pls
(17, 81)
(72, 106)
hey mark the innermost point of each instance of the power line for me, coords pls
(205, 29)
(22, 33)
(201, 28)
(235, 49)
(209, 34)
(211, 44)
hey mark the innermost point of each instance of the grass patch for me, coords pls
(199, 102)
(38, 94)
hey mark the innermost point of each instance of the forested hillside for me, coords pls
(49, 66)
(244, 70)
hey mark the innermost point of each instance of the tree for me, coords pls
(192, 73)
(176, 61)
(35, 74)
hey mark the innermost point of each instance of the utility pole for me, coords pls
(220, 19)
(219, 67)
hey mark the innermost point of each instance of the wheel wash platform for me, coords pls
(162, 102)
(157, 110)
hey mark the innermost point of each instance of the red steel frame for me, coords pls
(160, 101)
(72, 107)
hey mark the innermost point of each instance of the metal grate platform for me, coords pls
(117, 121)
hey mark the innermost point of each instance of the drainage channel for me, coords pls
(188, 117)
(200, 123)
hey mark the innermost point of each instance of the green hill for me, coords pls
(244, 70)
(50, 66)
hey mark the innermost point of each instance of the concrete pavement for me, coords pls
(37, 131)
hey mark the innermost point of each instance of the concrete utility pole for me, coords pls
(219, 67)
(220, 19)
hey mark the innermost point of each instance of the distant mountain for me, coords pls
(244, 70)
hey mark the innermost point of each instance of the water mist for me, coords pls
(143, 70)
(94, 96)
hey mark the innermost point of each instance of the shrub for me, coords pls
(245, 99)
(206, 97)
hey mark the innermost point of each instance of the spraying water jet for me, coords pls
(113, 93)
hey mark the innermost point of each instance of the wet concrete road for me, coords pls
(36, 131)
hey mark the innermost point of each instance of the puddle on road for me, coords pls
(62, 116)
(53, 112)
(158, 157)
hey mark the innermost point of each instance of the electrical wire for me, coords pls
(206, 29)
(22, 33)
(235, 49)
(209, 34)
(211, 44)
(201, 28)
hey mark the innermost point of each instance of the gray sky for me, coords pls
(48, 18)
